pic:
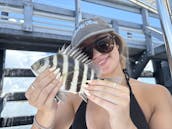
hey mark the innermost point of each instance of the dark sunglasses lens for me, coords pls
(105, 45)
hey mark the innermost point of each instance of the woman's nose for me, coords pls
(96, 53)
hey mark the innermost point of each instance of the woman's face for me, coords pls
(107, 62)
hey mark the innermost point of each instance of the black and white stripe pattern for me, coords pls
(75, 68)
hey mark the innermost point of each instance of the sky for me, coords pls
(24, 59)
(99, 10)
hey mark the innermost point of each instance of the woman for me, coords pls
(114, 102)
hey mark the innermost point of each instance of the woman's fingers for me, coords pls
(47, 78)
(115, 99)
(107, 94)
(108, 84)
(101, 102)
(44, 74)
(34, 86)
(40, 90)
(41, 99)
(107, 87)
(52, 95)
(40, 84)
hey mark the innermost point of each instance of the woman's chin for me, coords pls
(103, 74)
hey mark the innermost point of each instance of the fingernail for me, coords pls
(114, 84)
(85, 85)
(88, 81)
(55, 72)
(61, 78)
(87, 92)
(58, 75)
(58, 69)
(52, 68)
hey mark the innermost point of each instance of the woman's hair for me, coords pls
(123, 50)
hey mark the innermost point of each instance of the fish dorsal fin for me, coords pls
(62, 49)
(65, 49)
(75, 53)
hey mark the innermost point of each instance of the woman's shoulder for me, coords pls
(74, 99)
(153, 93)
(151, 97)
(154, 89)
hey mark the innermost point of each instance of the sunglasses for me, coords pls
(102, 45)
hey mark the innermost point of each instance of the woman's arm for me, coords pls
(65, 112)
(64, 115)
(41, 95)
(162, 115)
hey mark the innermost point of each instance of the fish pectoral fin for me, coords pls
(60, 96)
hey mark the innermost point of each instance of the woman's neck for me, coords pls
(117, 76)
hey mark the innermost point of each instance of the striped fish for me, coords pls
(75, 67)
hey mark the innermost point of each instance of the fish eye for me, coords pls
(41, 62)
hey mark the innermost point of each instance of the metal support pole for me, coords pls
(148, 36)
(158, 72)
(2, 66)
(78, 15)
(142, 4)
(170, 2)
(4, 14)
(169, 7)
(165, 71)
(115, 26)
(139, 67)
(28, 11)
(167, 29)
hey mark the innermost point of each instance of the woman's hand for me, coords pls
(41, 95)
(114, 98)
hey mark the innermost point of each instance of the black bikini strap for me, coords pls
(127, 77)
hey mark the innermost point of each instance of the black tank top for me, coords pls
(136, 113)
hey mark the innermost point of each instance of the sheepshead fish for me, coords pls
(75, 68)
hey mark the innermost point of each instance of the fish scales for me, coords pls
(64, 70)
(80, 77)
(60, 61)
(89, 74)
(75, 77)
(85, 74)
(71, 65)
(51, 63)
